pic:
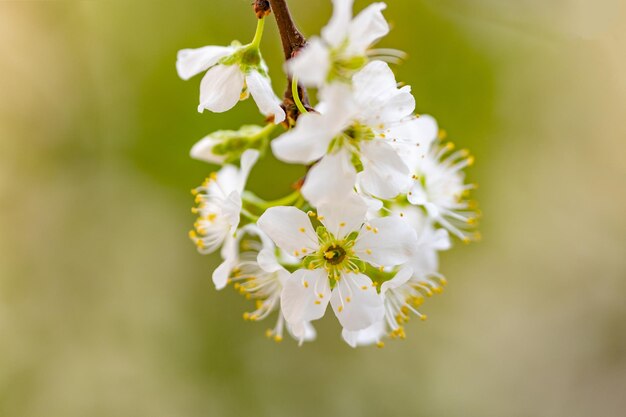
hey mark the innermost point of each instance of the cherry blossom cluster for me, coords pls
(382, 195)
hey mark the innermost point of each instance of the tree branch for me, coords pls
(290, 36)
(292, 40)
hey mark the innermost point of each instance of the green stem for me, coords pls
(288, 200)
(296, 96)
(256, 42)
(249, 216)
(266, 131)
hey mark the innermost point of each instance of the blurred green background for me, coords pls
(106, 309)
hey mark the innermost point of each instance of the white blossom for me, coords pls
(232, 73)
(439, 187)
(219, 205)
(401, 296)
(257, 273)
(430, 240)
(334, 259)
(359, 136)
(343, 46)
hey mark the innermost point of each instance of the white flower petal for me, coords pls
(384, 173)
(305, 143)
(388, 241)
(424, 259)
(417, 195)
(374, 80)
(227, 181)
(230, 253)
(248, 159)
(331, 178)
(343, 215)
(305, 296)
(267, 261)
(220, 88)
(379, 99)
(302, 332)
(367, 27)
(266, 100)
(401, 278)
(203, 150)
(336, 31)
(231, 210)
(190, 62)
(338, 105)
(365, 337)
(412, 138)
(290, 228)
(266, 258)
(441, 240)
(356, 303)
(311, 64)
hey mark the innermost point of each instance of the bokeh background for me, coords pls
(106, 309)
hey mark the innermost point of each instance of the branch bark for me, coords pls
(290, 36)
(292, 40)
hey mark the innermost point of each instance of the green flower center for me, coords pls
(343, 66)
(334, 254)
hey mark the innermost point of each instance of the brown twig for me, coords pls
(292, 40)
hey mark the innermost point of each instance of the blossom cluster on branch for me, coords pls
(382, 195)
